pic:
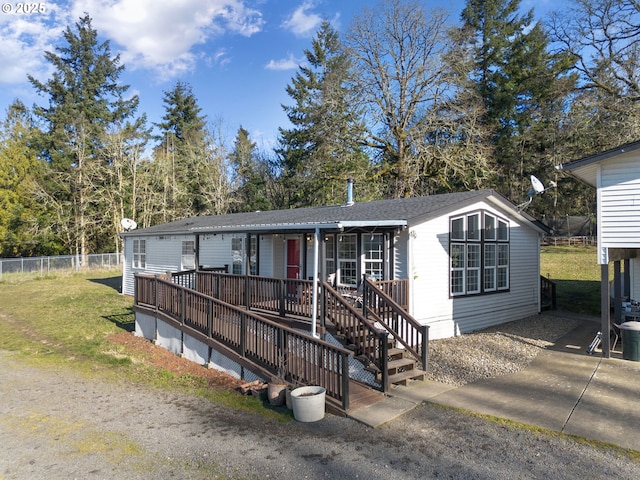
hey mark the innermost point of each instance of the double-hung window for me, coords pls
(479, 254)
(373, 251)
(139, 254)
(348, 259)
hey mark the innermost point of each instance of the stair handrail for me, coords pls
(376, 352)
(408, 331)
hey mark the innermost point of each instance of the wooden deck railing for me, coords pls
(297, 357)
(547, 293)
(368, 341)
(378, 307)
(284, 296)
(397, 289)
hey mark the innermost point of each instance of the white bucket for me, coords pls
(308, 403)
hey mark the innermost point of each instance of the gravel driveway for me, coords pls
(55, 424)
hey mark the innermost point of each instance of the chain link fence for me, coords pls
(43, 266)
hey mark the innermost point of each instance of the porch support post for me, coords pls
(617, 293)
(314, 296)
(604, 309)
(247, 271)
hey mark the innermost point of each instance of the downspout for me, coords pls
(314, 296)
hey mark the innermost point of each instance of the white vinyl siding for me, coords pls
(619, 203)
(431, 302)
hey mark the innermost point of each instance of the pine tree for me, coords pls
(323, 148)
(251, 176)
(522, 85)
(24, 221)
(85, 99)
(183, 144)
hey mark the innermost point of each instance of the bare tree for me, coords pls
(398, 51)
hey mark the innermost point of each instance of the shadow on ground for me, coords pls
(125, 321)
(112, 282)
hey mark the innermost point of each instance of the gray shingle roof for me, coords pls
(396, 212)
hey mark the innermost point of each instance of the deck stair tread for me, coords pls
(403, 377)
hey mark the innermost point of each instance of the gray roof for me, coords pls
(584, 168)
(394, 213)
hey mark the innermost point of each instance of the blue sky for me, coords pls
(237, 55)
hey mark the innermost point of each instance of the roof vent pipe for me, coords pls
(349, 191)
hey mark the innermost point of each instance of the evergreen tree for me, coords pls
(85, 98)
(24, 221)
(523, 86)
(251, 176)
(183, 143)
(323, 148)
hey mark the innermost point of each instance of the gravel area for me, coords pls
(500, 350)
(56, 424)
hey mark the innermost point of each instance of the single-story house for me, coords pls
(472, 259)
(615, 174)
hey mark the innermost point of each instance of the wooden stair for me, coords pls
(401, 368)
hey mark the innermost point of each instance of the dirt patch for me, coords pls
(141, 348)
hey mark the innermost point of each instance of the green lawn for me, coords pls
(66, 320)
(577, 276)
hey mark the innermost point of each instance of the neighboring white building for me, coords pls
(471, 258)
(615, 174)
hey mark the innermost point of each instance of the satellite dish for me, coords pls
(537, 185)
(128, 224)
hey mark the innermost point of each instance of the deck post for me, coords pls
(314, 289)
(384, 361)
(604, 309)
(345, 381)
(425, 347)
(210, 319)
(183, 305)
(281, 306)
(243, 334)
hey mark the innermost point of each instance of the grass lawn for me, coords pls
(577, 276)
(71, 320)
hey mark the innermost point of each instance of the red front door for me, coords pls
(293, 258)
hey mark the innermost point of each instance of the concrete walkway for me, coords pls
(563, 389)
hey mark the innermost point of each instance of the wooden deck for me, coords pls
(360, 396)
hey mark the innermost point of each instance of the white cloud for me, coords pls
(25, 39)
(289, 63)
(162, 34)
(302, 21)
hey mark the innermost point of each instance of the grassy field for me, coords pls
(68, 320)
(577, 276)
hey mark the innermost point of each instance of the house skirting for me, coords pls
(166, 334)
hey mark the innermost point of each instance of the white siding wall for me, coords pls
(215, 251)
(619, 221)
(165, 255)
(162, 256)
(447, 316)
